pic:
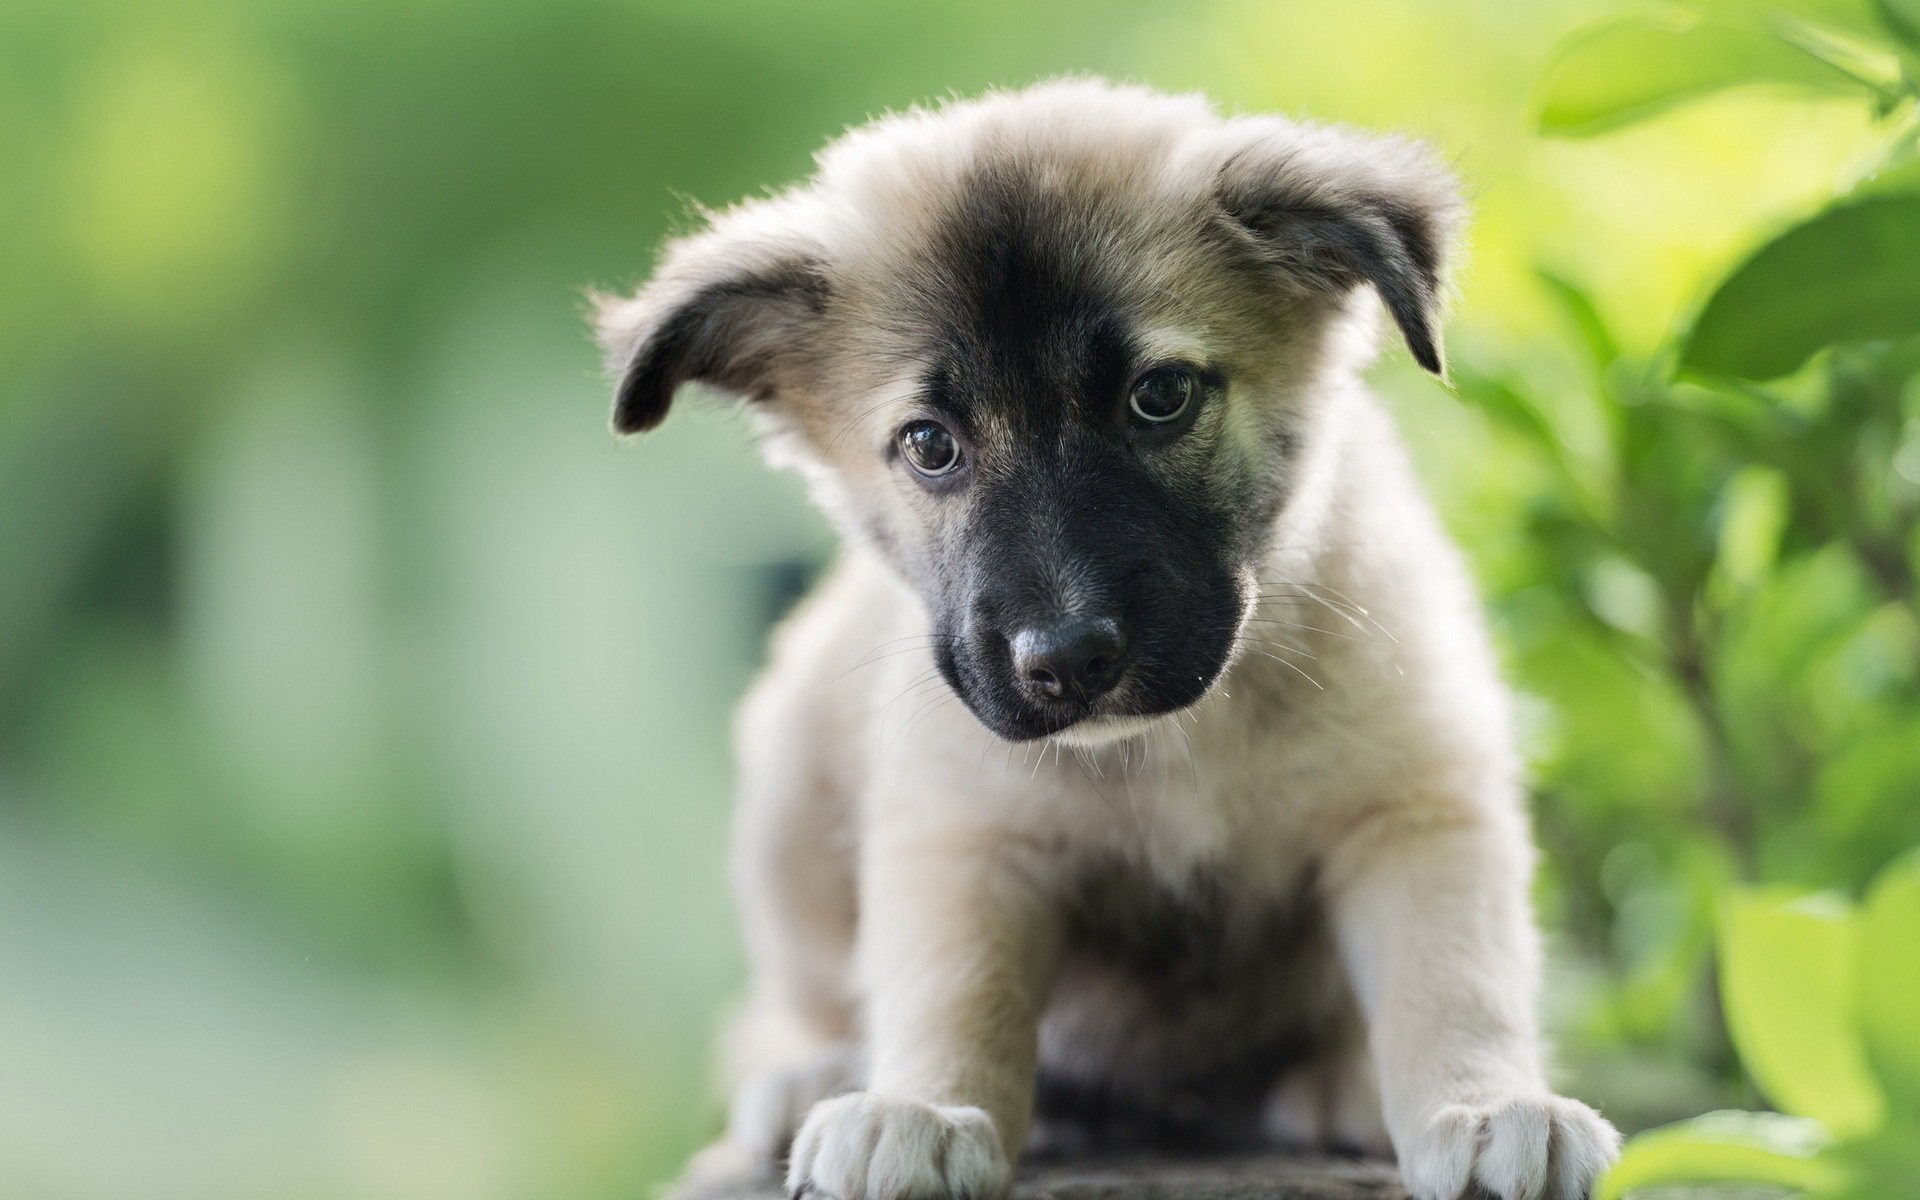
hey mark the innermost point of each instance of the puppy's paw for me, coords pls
(769, 1104)
(1519, 1147)
(868, 1147)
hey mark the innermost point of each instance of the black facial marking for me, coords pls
(1070, 509)
(1027, 331)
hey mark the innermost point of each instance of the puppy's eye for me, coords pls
(929, 448)
(1163, 394)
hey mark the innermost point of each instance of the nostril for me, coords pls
(1075, 657)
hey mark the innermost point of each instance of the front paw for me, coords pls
(863, 1146)
(1520, 1147)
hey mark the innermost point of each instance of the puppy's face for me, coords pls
(1059, 356)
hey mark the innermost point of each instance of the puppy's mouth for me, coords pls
(1142, 698)
(1097, 731)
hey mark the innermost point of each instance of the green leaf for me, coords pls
(1850, 274)
(1903, 17)
(1859, 18)
(1890, 980)
(1876, 1168)
(1754, 515)
(1898, 174)
(1614, 74)
(1723, 1147)
(1602, 347)
(1786, 981)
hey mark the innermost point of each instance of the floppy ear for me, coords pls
(727, 312)
(1332, 210)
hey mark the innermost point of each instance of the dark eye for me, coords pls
(929, 449)
(1162, 394)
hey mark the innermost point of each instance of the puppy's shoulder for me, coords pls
(816, 654)
(1417, 683)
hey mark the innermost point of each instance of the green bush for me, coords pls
(1820, 999)
(1742, 551)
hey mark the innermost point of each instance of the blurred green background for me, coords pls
(363, 778)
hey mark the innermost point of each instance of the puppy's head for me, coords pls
(1061, 356)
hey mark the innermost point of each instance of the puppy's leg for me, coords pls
(1331, 1103)
(794, 1042)
(779, 1061)
(1434, 929)
(956, 948)
(777, 1085)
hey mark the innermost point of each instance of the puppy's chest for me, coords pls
(1200, 932)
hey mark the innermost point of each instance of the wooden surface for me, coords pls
(1256, 1177)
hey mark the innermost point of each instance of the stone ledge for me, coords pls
(1253, 1177)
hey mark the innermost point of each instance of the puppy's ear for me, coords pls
(1331, 210)
(730, 310)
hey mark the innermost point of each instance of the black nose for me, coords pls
(1070, 658)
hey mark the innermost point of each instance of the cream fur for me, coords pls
(901, 874)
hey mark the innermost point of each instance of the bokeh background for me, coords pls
(363, 778)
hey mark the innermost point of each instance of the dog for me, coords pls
(1141, 769)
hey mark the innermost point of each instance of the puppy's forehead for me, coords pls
(1021, 305)
(1027, 293)
(1015, 257)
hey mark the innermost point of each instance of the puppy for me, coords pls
(1143, 752)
